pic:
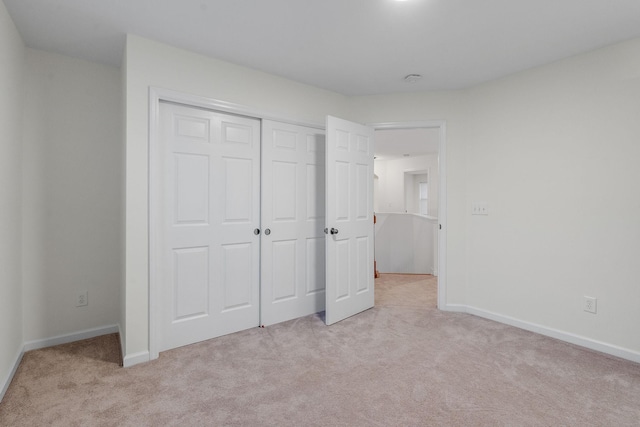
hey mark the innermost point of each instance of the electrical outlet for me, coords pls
(590, 304)
(82, 298)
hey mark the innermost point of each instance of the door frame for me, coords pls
(441, 125)
(156, 96)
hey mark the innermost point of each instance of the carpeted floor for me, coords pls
(402, 363)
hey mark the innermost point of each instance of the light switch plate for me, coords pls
(479, 208)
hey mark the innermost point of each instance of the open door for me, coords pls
(349, 219)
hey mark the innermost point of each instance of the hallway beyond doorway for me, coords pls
(407, 290)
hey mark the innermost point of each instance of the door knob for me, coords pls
(334, 231)
(256, 231)
(267, 232)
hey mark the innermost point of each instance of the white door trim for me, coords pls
(157, 95)
(441, 125)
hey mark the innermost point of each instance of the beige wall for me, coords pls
(72, 174)
(11, 71)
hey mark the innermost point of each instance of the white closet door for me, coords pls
(349, 204)
(293, 242)
(211, 207)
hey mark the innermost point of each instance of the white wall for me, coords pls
(11, 71)
(412, 182)
(72, 174)
(152, 64)
(554, 152)
(391, 193)
(405, 243)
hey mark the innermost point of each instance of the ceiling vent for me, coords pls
(412, 78)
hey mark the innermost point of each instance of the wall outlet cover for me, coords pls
(590, 304)
(82, 298)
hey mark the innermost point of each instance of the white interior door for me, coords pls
(293, 216)
(349, 205)
(210, 202)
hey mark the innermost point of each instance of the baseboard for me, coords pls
(49, 342)
(454, 308)
(128, 360)
(67, 338)
(7, 381)
(589, 343)
(135, 358)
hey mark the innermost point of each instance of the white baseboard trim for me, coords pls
(7, 381)
(454, 308)
(49, 342)
(581, 341)
(135, 358)
(67, 338)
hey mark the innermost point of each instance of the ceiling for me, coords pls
(354, 47)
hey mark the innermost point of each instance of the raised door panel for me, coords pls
(315, 274)
(236, 184)
(191, 188)
(190, 283)
(284, 270)
(284, 189)
(237, 280)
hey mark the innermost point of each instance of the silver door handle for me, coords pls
(267, 232)
(334, 231)
(256, 231)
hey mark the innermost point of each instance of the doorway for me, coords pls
(411, 158)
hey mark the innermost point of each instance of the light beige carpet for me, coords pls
(403, 363)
